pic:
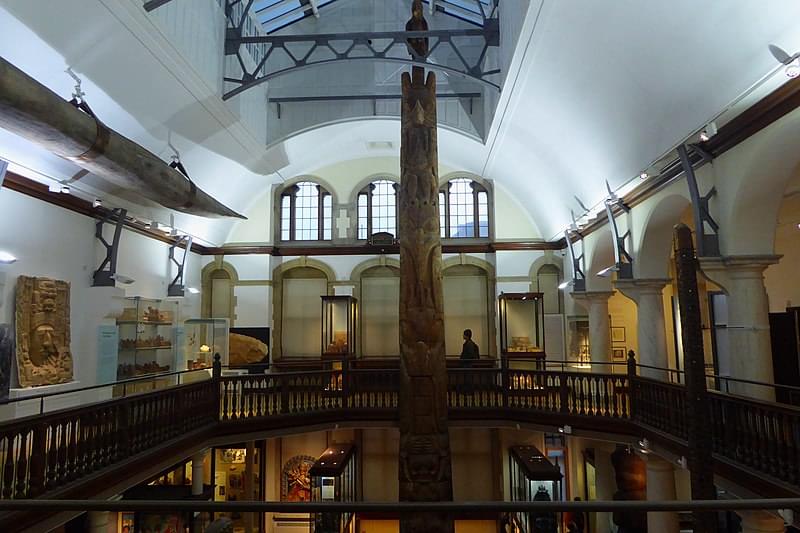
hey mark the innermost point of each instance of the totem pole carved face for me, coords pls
(42, 325)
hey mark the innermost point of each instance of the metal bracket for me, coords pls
(622, 259)
(707, 243)
(105, 275)
(176, 286)
(578, 277)
(277, 55)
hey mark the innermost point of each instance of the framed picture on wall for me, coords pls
(618, 334)
(618, 354)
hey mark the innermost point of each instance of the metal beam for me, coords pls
(176, 286)
(155, 4)
(350, 97)
(327, 48)
(707, 243)
(105, 275)
(622, 259)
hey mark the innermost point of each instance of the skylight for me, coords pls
(276, 14)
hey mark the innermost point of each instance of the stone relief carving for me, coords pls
(42, 331)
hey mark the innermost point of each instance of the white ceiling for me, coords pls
(596, 91)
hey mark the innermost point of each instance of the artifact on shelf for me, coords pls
(128, 371)
(522, 345)
(246, 350)
(339, 344)
(153, 314)
(42, 332)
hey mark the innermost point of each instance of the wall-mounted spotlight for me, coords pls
(606, 272)
(6, 258)
(97, 202)
(566, 430)
(792, 69)
(564, 284)
(193, 290)
(121, 278)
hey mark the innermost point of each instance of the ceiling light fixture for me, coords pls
(566, 283)
(193, 290)
(97, 202)
(792, 69)
(7, 258)
(65, 189)
(644, 176)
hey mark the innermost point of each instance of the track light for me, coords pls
(709, 131)
(606, 272)
(64, 189)
(125, 280)
(7, 258)
(97, 202)
(792, 71)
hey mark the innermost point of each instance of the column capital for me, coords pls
(591, 296)
(721, 270)
(633, 288)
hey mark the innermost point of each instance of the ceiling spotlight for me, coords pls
(64, 189)
(125, 280)
(644, 176)
(606, 272)
(97, 202)
(7, 258)
(704, 136)
(792, 71)
(54, 187)
(193, 290)
(564, 284)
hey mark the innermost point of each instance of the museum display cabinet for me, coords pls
(202, 338)
(146, 332)
(521, 316)
(534, 478)
(339, 322)
(233, 483)
(333, 479)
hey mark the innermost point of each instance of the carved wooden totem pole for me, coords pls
(425, 472)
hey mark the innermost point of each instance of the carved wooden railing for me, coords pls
(42, 454)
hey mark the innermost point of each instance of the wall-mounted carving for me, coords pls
(42, 330)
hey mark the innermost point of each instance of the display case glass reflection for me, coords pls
(521, 324)
(339, 317)
(333, 479)
(202, 338)
(534, 478)
(146, 331)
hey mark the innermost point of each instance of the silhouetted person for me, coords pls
(470, 350)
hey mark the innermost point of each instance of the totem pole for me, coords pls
(698, 415)
(424, 470)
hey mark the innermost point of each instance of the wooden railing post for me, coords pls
(38, 460)
(217, 391)
(631, 384)
(345, 393)
(504, 380)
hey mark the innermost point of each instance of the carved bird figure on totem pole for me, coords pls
(417, 46)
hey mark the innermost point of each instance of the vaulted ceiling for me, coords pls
(592, 91)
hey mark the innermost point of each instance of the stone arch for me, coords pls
(752, 180)
(599, 255)
(356, 277)
(462, 260)
(548, 261)
(654, 246)
(221, 268)
(278, 274)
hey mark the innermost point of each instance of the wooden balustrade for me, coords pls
(43, 453)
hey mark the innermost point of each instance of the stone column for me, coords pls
(596, 304)
(98, 521)
(650, 324)
(742, 277)
(661, 487)
(197, 473)
(761, 522)
(605, 486)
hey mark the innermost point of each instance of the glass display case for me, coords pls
(202, 338)
(333, 479)
(534, 478)
(146, 331)
(339, 315)
(521, 324)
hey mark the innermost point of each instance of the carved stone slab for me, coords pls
(42, 331)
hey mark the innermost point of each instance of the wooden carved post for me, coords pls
(424, 470)
(700, 460)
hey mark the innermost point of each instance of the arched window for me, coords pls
(377, 209)
(306, 213)
(463, 209)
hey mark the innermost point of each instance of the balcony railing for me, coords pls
(50, 454)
